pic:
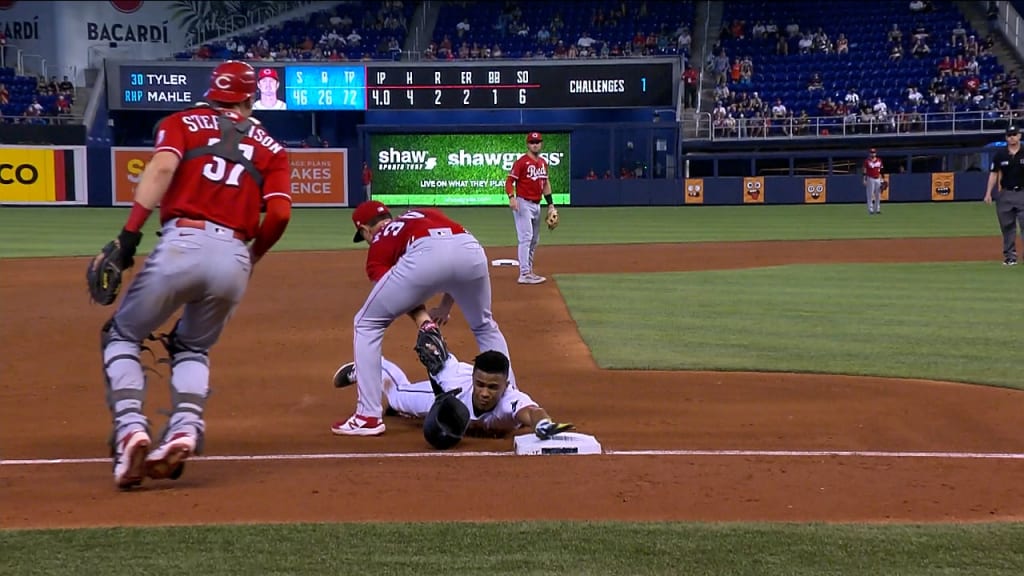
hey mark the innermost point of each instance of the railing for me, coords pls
(1012, 27)
(43, 120)
(40, 71)
(706, 127)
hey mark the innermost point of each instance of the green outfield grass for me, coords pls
(522, 549)
(945, 321)
(82, 231)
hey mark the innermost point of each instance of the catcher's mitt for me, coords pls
(105, 271)
(552, 219)
(431, 348)
(883, 186)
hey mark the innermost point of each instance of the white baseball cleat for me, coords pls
(168, 460)
(130, 458)
(358, 425)
(532, 279)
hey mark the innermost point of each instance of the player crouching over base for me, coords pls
(489, 406)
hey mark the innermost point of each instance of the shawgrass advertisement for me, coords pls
(458, 169)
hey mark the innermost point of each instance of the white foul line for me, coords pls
(691, 453)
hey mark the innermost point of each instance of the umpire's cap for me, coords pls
(447, 421)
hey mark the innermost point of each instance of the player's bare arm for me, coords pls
(993, 183)
(441, 314)
(510, 191)
(156, 179)
(538, 420)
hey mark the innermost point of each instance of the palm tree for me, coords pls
(205, 19)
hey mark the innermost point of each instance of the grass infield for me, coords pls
(521, 549)
(939, 321)
(61, 231)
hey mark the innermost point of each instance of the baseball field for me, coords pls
(797, 390)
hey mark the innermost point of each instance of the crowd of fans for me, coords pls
(51, 99)
(328, 36)
(550, 39)
(958, 84)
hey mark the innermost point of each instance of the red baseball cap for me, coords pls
(268, 73)
(366, 212)
(534, 137)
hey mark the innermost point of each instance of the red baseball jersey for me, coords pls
(529, 175)
(210, 188)
(873, 167)
(390, 242)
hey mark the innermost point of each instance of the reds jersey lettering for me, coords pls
(873, 168)
(530, 175)
(391, 241)
(211, 188)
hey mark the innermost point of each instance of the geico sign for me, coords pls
(21, 173)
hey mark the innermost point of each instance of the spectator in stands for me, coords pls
(821, 43)
(355, 39)
(721, 67)
(781, 46)
(792, 29)
(945, 67)
(814, 82)
(959, 33)
(805, 43)
(585, 41)
(917, 6)
(63, 106)
(896, 53)
(757, 32)
(971, 46)
(920, 32)
(591, 175)
(895, 34)
(852, 98)
(842, 44)
(683, 39)
(35, 109)
(746, 70)
(779, 110)
(771, 30)
(5, 95)
(914, 96)
(920, 49)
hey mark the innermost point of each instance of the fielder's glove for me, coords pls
(552, 219)
(883, 186)
(431, 348)
(546, 429)
(105, 271)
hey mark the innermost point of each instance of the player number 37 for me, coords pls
(217, 168)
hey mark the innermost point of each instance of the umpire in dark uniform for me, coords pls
(1006, 175)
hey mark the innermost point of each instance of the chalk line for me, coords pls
(690, 453)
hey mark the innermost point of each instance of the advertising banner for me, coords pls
(42, 175)
(942, 186)
(694, 191)
(318, 176)
(815, 190)
(753, 190)
(458, 169)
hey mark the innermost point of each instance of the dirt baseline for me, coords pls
(272, 395)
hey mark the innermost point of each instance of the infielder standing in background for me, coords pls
(873, 182)
(494, 407)
(212, 169)
(525, 184)
(411, 258)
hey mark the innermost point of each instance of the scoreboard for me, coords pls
(325, 87)
(476, 85)
(470, 86)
